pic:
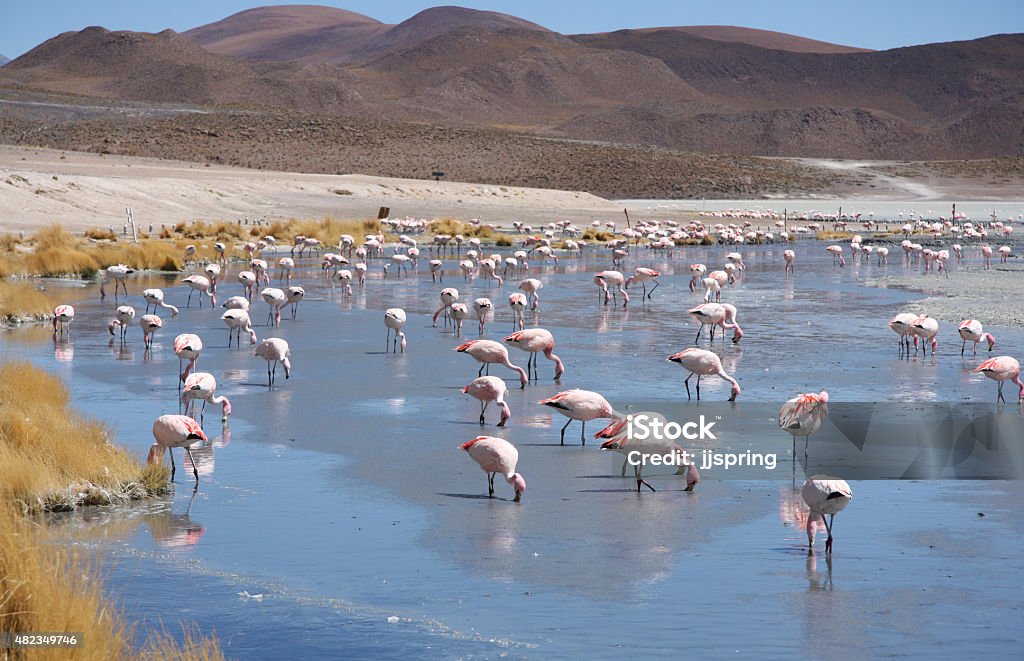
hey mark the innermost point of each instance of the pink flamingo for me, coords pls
(607, 279)
(643, 276)
(530, 287)
(344, 276)
(582, 405)
(697, 272)
(618, 439)
(175, 431)
(971, 329)
(276, 299)
(63, 315)
(703, 363)
(155, 297)
(837, 255)
(202, 386)
(487, 352)
(717, 314)
(459, 314)
(927, 329)
(737, 259)
(294, 295)
(237, 321)
(712, 286)
(803, 415)
(517, 301)
(1004, 254)
(534, 341)
(496, 455)
(248, 280)
(274, 350)
(824, 495)
(790, 258)
(213, 273)
(123, 315)
(119, 274)
(150, 324)
(901, 324)
(187, 347)
(201, 284)
(285, 266)
(986, 252)
(449, 295)
(436, 270)
(259, 267)
(1002, 369)
(394, 320)
(489, 389)
(482, 306)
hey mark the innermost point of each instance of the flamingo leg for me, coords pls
(698, 387)
(483, 409)
(490, 485)
(686, 382)
(963, 348)
(569, 422)
(583, 432)
(828, 527)
(188, 303)
(656, 283)
(481, 371)
(170, 451)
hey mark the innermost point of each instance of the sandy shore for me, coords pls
(83, 190)
(993, 296)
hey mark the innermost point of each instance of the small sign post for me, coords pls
(437, 174)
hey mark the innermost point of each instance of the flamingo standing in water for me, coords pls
(824, 495)
(203, 386)
(803, 415)
(175, 431)
(201, 284)
(285, 266)
(459, 314)
(483, 307)
(517, 301)
(123, 315)
(155, 297)
(436, 270)
(717, 314)
(213, 273)
(971, 329)
(1002, 369)
(643, 276)
(150, 324)
(607, 279)
(901, 324)
(582, 405)
(737, 259)
(63, 315)
(530, 287)
(237, 320)
(236, 303)
(248, 280)
(618, 438)
(712, 286)
(496, 455)
(489, 389)
(119, 274)
(344, 277)
(449, 295)
(790, 258)
(276, 299)
(487, 352)
(927, 329)
(294, 296)
(394, 319)
(534, 341)
(187, 346)
(837, 255)
(275, 350)
(986, 253)
(697, 272)
(703, 363)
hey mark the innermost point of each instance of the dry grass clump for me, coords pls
(834, 235)
(98, 234)
(53, 458)
(54, 262)
(9, 242)
(150, 254)
(47, 587)
(592, 234)
(20, 300)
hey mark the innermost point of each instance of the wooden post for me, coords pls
(626, 211)
(131, 221)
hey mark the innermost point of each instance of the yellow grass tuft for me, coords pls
(592, 234)
(49, 587)
(20, 300)
(98, 234)
(53, 458)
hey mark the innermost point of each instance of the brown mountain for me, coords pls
(760, 38)
(714, 89)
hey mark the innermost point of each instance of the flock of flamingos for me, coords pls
(800, 416)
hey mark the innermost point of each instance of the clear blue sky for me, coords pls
(877, 24)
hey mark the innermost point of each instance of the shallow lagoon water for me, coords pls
(342, 498)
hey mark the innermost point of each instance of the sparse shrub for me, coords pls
(100, 235)
(21, 300)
